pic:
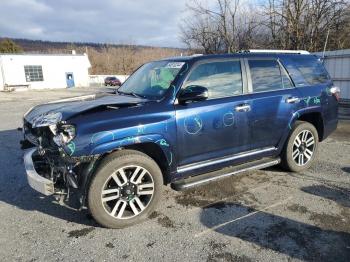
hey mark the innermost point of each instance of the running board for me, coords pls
(186, 183)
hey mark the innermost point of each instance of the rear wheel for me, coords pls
(301, 147)
(125, 189)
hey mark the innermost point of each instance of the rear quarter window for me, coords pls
(307, 70)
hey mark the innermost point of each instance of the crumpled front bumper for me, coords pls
(36, 181)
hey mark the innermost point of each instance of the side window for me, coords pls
(222, 79)
(267, 75)
(311, 69)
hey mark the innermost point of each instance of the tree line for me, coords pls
(225, 26)
(104, 58)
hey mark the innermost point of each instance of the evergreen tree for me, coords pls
(8, 46)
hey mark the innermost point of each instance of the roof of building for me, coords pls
(40, 54)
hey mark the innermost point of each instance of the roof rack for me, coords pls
(301, 52)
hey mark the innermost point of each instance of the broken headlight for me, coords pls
(63, 134)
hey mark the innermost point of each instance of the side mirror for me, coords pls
(193, 93)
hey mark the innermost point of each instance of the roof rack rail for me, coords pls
(301, 52)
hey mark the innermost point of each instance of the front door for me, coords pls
(218, 126)
(70, 79)
(273, 101)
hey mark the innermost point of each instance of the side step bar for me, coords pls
(186, 183)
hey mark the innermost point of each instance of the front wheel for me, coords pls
(301, 148)
(125, 189)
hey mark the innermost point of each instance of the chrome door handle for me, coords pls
(292, 100)
(242, 108)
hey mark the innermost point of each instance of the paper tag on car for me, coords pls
(175, 65)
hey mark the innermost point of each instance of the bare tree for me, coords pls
(224, 27)
(227, 25)
(125, 59)
(303, 24)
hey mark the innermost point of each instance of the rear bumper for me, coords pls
(36, 181)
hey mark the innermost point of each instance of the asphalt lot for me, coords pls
(267, 215)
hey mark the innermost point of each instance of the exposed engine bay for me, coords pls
(51, 161)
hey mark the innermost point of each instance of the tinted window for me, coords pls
(222, 79)
(311, 69)
(267, 75)
(153, 79)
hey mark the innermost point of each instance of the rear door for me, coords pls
(273, 101)
(314, 84)
(216, 127)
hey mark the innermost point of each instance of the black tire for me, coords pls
(288, 161)
(117, 161)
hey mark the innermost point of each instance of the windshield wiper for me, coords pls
(131, 94)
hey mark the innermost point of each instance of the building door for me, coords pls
(70, 79)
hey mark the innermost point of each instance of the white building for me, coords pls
(37, 71)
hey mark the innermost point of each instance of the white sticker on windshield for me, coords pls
(175, 65)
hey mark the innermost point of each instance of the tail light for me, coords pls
(335, 91)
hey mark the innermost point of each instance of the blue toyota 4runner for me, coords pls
(179, 121)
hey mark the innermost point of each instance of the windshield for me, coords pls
(152, 80)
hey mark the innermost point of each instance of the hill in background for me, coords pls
(104, 58)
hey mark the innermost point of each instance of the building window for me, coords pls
(33, 73)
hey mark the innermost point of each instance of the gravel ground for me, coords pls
(263, 215)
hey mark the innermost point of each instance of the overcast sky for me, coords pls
(144, 22)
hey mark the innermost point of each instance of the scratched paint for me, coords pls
(141, 129)
(104, 136)
(138, 135)
(312, 100)
(162, 142)
(295, 116)
(307, 100)
(71, 147)
(228, 119)
(317, 100)
(193, 125)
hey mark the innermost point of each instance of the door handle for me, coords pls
(242, 108)
(292, 100)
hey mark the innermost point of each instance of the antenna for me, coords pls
(325, 46)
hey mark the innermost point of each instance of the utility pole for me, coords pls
(325, 46)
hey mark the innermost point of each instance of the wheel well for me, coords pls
(316, 120)
(157, 154)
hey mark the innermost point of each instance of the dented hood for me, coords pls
(53, 112)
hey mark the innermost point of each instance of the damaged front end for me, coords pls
(51, 170)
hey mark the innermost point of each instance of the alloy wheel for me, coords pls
(127, 192)
(303, 147)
